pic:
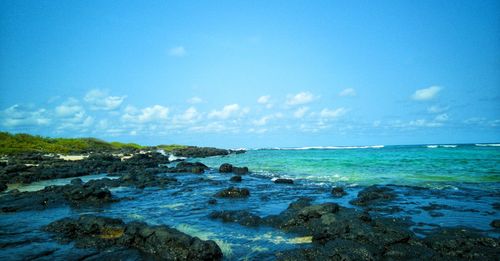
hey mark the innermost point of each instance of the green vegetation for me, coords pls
(171, 148)
(22, 143)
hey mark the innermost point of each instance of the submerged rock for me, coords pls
(75, 195)
(160, 241)
(226, 168)
(242, 217)
(235, 178)
(495, 223)
(373, 194)
(233, 192)
(338, 192)
(283, 181)
(193, 167)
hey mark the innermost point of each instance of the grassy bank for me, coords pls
(25, 143)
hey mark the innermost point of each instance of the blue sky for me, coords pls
(252, 73)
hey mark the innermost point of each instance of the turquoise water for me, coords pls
(463, 179)
(421, 165)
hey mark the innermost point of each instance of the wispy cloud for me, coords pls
(265, 100)
(426, 93)
(195, 100)
(436, 109)
(300, 112)
(228, 111)
(178, 51)
(148, 114)
(332, 114)
(348, 92)
(300, 98)
(17, 115)
(100, 100)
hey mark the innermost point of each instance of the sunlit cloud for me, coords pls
(426, 93)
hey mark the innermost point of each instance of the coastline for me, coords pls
(314, 222)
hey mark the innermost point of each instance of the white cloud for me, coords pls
(441, 117)
(99, 100)
(178, 51)
(300, 98)
(69, 108)
(426, 94)
(17, 115)
(232, 110)
(265, 119)
(148, 114)
(189, 116)
(264, 99)
(424, 123)
(300, 112)
(436, 109)
(348, 92)
(195, 100)
(327, 113)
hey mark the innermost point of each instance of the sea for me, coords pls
(437, 185)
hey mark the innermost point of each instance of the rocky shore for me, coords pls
(329, 230)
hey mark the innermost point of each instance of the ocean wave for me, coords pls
(441, 146)
(331, 147)
(488, 144)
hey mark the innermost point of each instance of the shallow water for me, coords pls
(462, 181)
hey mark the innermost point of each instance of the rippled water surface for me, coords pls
(463, 181)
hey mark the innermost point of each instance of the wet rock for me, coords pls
(212, 201)
(495, 223)
(373, 194)
(283, 181)
(75, 195)
(76, 181)
(235, 178)
(463, 244)
(226, 168)
(162, 242)
(240, 170)
(3, 186)
(199, 152)
(193, 167)
(233, 192)
(338, 192)
(333, 250)
(241, 217)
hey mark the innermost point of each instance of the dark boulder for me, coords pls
(212, 201)
(235, 178)
(193, 167)
(338, 192)
(226, 168)
(241, 217)
(495, 223)
(240, 170)
(283, 181)
(199, 152)
(233, 192)
(162, 242)
(3, 186)
(373, 194)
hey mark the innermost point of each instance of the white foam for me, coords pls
(172, 157)
(332, 147)
(488, 144)
(432, 146)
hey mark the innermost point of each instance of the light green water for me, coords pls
(420, 165)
